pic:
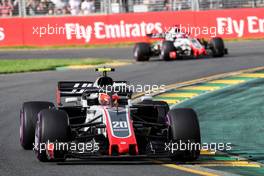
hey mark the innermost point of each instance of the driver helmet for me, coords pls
(104, 99)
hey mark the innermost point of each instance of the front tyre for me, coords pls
(184, 130)
(28, 118)
(52, 127)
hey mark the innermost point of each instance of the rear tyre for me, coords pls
(217, 46)
(166, 48)
(52, 127)
(183, 130)
(28, 118)
(142, 51)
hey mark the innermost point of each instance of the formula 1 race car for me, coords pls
(91, 120)
(176, 45)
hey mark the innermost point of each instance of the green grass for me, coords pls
(26, 47)
(28, 65)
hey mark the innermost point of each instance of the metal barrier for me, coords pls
(25, 8)
(227, 4)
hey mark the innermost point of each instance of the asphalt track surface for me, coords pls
(66, 53)
(250, 48)
(17, 88)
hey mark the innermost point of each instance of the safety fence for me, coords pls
(29, 8)
(129, 27)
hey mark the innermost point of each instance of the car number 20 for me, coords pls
(119, 124)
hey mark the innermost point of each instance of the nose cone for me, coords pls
(123, 148)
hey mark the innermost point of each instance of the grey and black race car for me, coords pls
(91, 121)
(174, 45)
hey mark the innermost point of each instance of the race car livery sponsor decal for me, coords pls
(119, 123)
(71, 88)
(82, 86)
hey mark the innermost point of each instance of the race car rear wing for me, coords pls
(78, 88)
(71, 89)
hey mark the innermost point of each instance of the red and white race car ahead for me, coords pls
(176, 45)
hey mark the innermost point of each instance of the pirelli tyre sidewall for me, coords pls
(184, 129)
(142, 51)
(52, 127)
(28, 118)
(166, 48)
